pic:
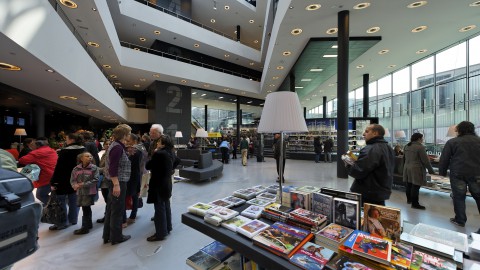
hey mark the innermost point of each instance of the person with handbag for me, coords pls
(84, 181)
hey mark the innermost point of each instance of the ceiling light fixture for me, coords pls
(298, 87)
(142, 79)
(220, 97)
(69, 3)
(467, 28)
(94, 110)
(107, 66)
(118, 83)
(272, 85)
(316, 69)
(50, 70)
(251, 21)
(226, 89)
(287, 53)
(194, 93)
(280, 67)
(332, 84)
(361, 6)
(206, 85)
(156, 32)
(383, 51)
(9, 67)
(227, 7)
(421, 51)
(330, 55)
(360, 66)
(93, 44)
(269, 91)
(255, 41)
(419, 29)
(214, 5)
(196, 45)
(203, 95)
(373, 30)
(332, 31)
(156, 75)
(392, 66)
(275, 78)
(212, 20)
(296, 31)
(313, 7)
(136, 85)
(306, 80)
(475, 4)
(143, 39)
(113, 76)
(68, 97)
(334, 46)
(136, 49)
(417, 4)
(252, 63)
(249, 102)
(227, 55)
(183, 81)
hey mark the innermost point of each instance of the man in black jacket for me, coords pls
(461, 155)
(373, 170)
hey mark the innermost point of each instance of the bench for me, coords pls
(206, 169)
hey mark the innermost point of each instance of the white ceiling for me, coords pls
(443, 18)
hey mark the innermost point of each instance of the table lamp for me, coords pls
(282, 113)
(178, 135)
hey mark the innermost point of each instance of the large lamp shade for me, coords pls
(20, 132)
(178, 134)
(201, 133)
(282, 113)
(452, 132)
(400, 134)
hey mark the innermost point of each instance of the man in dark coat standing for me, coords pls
(373, 170)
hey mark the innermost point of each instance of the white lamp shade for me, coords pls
(387, 133)
(178, 134)
(452, 132)
(400, 134)
(282, 113)
(201, 133)
(20, 132)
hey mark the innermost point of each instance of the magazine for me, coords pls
(429, 262)
(218, 250)
(252, 228)
(222, 212)
(312, 256)
(267, 196)
(382, 221)
(373, 248)
(200, 208)
(346, 213)
(253, 211)
(201, 260)
(222, 203)
(308, 216)
(322, 204)
(244, 194)
(235, 222)
(343, 262)
(234, 200)
(401, 255)
(334, 233)
(259, 202)
(299, 199)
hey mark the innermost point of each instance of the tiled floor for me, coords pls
(63, 250)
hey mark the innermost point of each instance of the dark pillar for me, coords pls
(239, 120)
(206, 117)
(366, 104)
(292, 82)
(324, 106)
(238, 32)
(342, 90)
(39, 121)
(304, 112)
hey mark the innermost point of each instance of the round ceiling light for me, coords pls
(275, 78)
(196, 45)
(361, 6)
(227, 55)
(156, 32)
(475, 4)
(252, 63)
(94, 110)
(9, 67)
(287, 53)
(156, 75)
(373, 30)
(206, 85)
(251, 21)
(419, 29)
(113, 76)
(136, 49)
(467, 28)
(183, 81)
(272, 85)
(255, 41)
(421, 51)
(212, 21)
(417, 4)
(143, 39)
(143, 79)
(93, 44)
(296, 31)
(227, 7)
(392, 66)
(226, 89)
(280, 67)
(69, 3)
(360, 66)
(107, 66)
(313, 7)
(332, 31)
(68, 97)
(136, 85)
(383, 51)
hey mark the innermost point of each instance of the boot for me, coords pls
(87, 222)
(80, 231)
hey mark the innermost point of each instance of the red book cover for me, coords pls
(373, 248)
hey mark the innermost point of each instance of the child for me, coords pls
(84, 180)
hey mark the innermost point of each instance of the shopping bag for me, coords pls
(144, 185)
(128, 202)
(31, 171)
(53, 212)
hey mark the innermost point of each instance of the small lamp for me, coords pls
(452, 131)
(178, 135)
(282, 113)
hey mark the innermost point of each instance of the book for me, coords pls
(346, 213)
(308, 216)
(286, 197)
(343, 262)
(200, 208)
(323, 204)
(282, 239)
(259, 202)
(350, 241)
(455, 239)
(267, 196)
(312, 256)
(401, 255)
(253, 211)
(382, 221)
(259, 189)
(235, 222)
(212, 219)
(373, 248)
(223, 203)
(425, 261)
(235, 200)
(222, 212)
(273, 189)
(308, 189)
(299, 199)
(218, 250)
(278, 208)
(252, 228)
(341, 194)
(232, 263)
(202, 261)
(333, 234)
(244, 194)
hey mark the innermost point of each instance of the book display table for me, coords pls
(237, 242)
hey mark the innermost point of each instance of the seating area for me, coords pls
(203, 168)
(398, 172)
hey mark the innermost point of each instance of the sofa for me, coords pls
(398, 172)
(205, 169)
(188, 157)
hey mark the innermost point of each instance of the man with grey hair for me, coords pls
(155, 132)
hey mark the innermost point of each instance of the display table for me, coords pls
(237, 242)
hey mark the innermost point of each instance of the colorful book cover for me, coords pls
(401, 255)
(201, 260)
(433, 262)
(235, 222)
(234, 200)
(323, 204)
(373, 248)
(308, 216)
(259, 202)
(222, 212)
(335, 232)
(351, 239)
(382, 221)
(299, 199)
(253, 211)
(416, 261)
(308, 189)
(267, 196)
(278, 208)
(344, 262)
(232, 263)
(346, 213)
(200, 208)
(312, 256)
(218, 250)
(222, 203)
(252, 228)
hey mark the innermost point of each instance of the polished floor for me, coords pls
(63, 250)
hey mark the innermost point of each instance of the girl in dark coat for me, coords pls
(161, 166)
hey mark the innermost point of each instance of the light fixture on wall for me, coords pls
(282, 113)
(214, 5)
(178, 135)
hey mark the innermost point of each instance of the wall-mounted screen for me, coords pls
(8, 120)
(21, 122)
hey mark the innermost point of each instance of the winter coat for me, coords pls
(92, 148)
(461, 156)
(415, 162)
(276, 149)
(136, 172)
(86, 175)
(161, 167)
(46, 158)
(373, 171)
(8, 162)
(328, 145)
(67, 160)
(317, 146)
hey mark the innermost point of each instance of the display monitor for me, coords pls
(21, 122)
(8, 120)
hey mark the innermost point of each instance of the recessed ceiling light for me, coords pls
(220, 97)
(227, 7)
(156, 75)
(255, 41)
(234, 100)
(50, 70)
(272, 85)
(68, 97)
(212, 20)
(417, 4)
(330, 55)
(392, 66)
(194, 93)
(313, 7)
(306, 80)
(360, 66)
(251, 21)
(383, 51)
(196, 45)
(227, 55)
(226, 89)
(94, 110)
(287, 53)
(475, 4)
(361, 6)
(94, 9)
(332, 31)
(203, 95)
(243, 93)
(143, 39)
(113, 76)
(9, 67)
(467, 28)
(419, 29)
(332, 84)
(142, 79)
(421, 51)
(316, 69)
(334, 46)
(107, 66)
(69, 3)
(206, 85)
(93, 44)
(235, 31)
(280, 67)
(136, 49)
(249, 102)
(136, 85)
(296, 31)
(373, 30)
(118, 83)
(252, 63)
(156, 32)
(183, 81)
(298, 87)
(275, 78)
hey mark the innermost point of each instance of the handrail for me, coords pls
(186, 60)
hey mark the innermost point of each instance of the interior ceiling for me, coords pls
(443, 19)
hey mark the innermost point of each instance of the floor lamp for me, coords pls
(282, 113)
(20, 132)
(178, 135)
(201, 133)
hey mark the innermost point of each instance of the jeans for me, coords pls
(225, 154)
(73, 209)
(112, 227)
(162, 217)
(42, 194)
(328, 156)
(459, 185)
(317, 157)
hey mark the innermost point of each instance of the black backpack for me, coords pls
(19, 218)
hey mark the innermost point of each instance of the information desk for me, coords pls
(237, 242)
